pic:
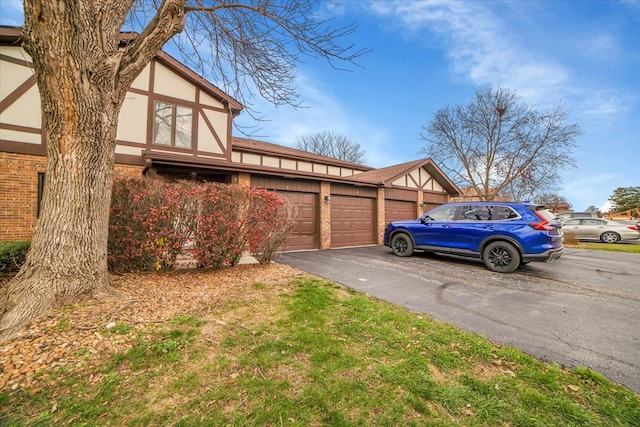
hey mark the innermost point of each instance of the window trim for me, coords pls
(40, 192)
(174, 125)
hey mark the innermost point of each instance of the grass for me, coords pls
(320, 354)
(616, 247)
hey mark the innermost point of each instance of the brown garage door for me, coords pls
(395, 210)
(352, 221)
(305, 232)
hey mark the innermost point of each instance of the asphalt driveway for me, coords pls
(582, 309)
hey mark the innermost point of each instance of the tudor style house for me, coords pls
(176, 125)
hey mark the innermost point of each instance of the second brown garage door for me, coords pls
(395, 210)
(352, 221)
(305, 232)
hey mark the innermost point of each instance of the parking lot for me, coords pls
(579, 310)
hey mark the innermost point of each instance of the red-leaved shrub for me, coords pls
(213, 224)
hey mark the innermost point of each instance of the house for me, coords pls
(176, 125)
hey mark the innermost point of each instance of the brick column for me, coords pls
(325, 215)
(241, 178)
(381, 220)
(420, 201)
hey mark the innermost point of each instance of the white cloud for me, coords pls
(601, 46)
(584, 190)
(482, 47)
(286, 123)
(607, 102)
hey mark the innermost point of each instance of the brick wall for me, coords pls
(128, 171)
(380, 216)
(325, 216)
(19, 192)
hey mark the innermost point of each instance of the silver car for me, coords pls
(605, 230)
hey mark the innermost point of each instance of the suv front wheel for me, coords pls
(502, 257)
(402, 245)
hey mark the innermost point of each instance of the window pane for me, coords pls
(476, 213)
(163, 117)
(503, 212)
(443, 214)
(183, 126)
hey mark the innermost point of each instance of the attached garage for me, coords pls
(353, 219)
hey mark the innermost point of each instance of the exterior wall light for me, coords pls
(327, 199)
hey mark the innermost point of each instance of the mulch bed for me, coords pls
(73, 336)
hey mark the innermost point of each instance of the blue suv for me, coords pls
(504, 235)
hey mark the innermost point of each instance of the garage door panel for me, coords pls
(396, 210)
(305, 231)
(352, 221)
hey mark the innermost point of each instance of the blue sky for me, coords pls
(428, 54)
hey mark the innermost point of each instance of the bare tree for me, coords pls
(83, 72)
(554, 202)
(331, 144)
(498, 145)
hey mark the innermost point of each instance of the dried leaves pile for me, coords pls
(75, 337)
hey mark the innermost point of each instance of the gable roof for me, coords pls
(383, 177)
(386, 176)
(234, 106)
(13, 35)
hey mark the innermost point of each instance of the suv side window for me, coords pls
(476, 213)
(444, 213)
(488, 213)
(504, 212)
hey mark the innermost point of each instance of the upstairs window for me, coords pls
(173, 125)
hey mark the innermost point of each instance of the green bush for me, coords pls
(12, 254)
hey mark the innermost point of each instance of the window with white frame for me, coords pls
(173, 125)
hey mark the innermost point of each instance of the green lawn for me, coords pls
(317, 354)
(617, 247)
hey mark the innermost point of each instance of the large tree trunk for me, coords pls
(83, 76)
(68, 256)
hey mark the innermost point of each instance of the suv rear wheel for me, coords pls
(502, 257)
(401, 245)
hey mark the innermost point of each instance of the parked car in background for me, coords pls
(605, 230)
(563, 216)
(504, 235)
